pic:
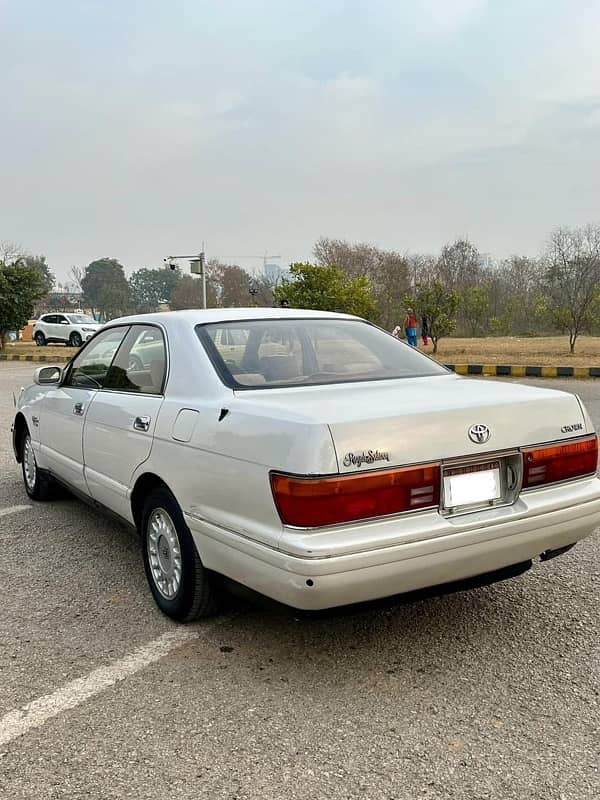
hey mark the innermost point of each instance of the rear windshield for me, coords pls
(296, 352)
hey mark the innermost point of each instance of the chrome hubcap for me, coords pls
(29, 465)
(164, 553)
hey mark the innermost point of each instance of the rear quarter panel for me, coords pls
(221, 475)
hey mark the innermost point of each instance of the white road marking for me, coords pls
(13, 510)
(37, 712)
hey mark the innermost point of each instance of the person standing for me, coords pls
(425, 329)
(410, 326)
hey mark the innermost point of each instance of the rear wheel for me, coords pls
(40, 339)
(38, 484)
(75, 339)
(181, 586)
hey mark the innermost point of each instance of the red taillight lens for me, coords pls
(312, 502)
(560, 462)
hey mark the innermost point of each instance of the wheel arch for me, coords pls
(144, 484)
(19, 428)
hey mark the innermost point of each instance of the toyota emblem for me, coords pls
(479, 434)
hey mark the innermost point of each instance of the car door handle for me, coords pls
(78, 409)
(141, 423)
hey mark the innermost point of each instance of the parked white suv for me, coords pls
(71, 329)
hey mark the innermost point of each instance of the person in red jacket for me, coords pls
(410, 326)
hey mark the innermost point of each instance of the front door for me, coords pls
(50, 326)
(120, 423)
(61, 329)
(63, 412)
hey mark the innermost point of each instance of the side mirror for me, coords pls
(64, 322)
(47, 376)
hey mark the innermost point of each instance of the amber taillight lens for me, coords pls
(314, 502)
(560, 462)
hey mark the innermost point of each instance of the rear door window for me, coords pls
(141, 363)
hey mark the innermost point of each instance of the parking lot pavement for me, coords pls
(494, 693)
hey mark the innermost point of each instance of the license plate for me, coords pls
(474, 485)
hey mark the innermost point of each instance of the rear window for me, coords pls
(290, 352)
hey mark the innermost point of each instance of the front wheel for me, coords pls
(38, 484)
(40, 339)
(75, 339)
(181, 587)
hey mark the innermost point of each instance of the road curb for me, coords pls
(519, 371)
(44, 359)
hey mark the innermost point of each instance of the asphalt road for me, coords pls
(492, 693)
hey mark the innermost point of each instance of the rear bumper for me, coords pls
(471, 547)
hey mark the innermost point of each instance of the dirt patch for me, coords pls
(31, 349)
(542, 351)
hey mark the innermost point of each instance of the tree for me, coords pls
(188, 293)
(459, 265)
(263, 288)
(475, 305)
(513, 286)
(327, 289)
(20, 288)
(572, 280)
(38, 263)
(387, 270)
(77, 274)
(10, 252)
(234, 286)
(440, 305)
(105, 288)
(149, 288)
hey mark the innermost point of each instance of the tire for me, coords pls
(38, 484)
(134, 363)
(75, 339)
(40, 339)
(169, 551)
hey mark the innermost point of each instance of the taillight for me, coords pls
(313, 502)
(560, 462)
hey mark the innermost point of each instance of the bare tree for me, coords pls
(459, 265)
(387, 271)
(572, 279)
(77, 274)
(10, 252)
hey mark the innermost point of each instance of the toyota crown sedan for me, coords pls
(310, 456)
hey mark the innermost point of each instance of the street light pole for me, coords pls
(197, 267)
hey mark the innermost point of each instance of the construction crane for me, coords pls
(264, 258)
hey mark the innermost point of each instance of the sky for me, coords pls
(136, 129)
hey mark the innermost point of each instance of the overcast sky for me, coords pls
(136, 128)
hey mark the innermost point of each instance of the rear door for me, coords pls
(120, 423)
(64, 408)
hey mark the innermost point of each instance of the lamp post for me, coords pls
(197, 267)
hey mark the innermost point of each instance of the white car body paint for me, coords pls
(218, 467)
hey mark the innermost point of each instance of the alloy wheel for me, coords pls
(164, 553)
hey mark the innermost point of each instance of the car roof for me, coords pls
(199, 316)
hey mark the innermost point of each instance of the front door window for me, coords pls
(90, 367)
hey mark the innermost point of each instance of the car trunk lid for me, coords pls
(410, 421)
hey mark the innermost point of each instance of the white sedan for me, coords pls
(309, 456)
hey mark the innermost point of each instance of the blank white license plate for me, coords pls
(471, 486)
